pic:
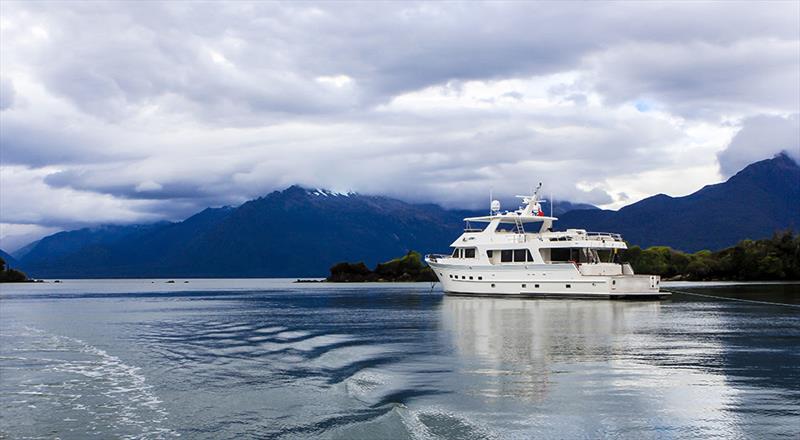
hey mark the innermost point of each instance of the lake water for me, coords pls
(272, 359)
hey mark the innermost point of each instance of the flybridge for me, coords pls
(529, 212)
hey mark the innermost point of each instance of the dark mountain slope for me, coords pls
(118, 251)
(299, 232)
(295, 232)
(10, 261)
(760, 199)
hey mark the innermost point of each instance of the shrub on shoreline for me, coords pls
(8, 275)
(406, 268)
(776, 258)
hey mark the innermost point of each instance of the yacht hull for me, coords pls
(542, 281)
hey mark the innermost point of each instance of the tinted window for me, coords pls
(506, 256)
(469, 253)
(560, 254)
(519, 255)
(455, 253)
(489, 254)
(530, 257)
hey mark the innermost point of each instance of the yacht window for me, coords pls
(469, 253)
(560, 254)
(519, 255)
(455, 253)
(578, 255)
(480, 278)
(489, 254)
(506, 256)
(530, 257)
(536, 286)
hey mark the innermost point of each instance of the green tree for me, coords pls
(8, 275)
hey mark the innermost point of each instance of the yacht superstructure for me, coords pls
(517, 253)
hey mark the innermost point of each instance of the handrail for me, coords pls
(616, 237)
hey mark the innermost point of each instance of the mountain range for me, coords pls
(755, 202)
(300, 232)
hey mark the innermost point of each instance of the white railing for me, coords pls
(603, 236)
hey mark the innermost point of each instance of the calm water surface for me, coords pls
(272, 359)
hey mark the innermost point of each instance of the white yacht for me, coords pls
(517, 253)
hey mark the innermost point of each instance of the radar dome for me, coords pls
(495, 205)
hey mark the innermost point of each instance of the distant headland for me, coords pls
(408, 268)
(9, 275)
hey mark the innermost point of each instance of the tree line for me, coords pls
(9, 275)
(776, 258)
(409, 267)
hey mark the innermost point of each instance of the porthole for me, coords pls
(569, 286)
(536, 286)
(524, 285)
(480, 278)
(463, 277)
(470, 277)
(492, 284)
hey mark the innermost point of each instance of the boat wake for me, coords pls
(55, 377)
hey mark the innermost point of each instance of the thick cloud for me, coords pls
(761, 137)
(6, 94)
(152, 110)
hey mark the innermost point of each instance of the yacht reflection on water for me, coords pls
(614, 367)
(530, 331)
(518, 343)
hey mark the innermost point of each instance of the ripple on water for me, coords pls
(77, 381)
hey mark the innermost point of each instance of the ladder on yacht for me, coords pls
(519, 228)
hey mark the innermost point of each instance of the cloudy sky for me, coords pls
(142, 111)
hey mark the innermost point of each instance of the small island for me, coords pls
(408, 268)
(9, 275)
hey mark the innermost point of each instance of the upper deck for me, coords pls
(529, 224)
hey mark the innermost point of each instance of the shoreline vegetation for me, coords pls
(408, 268)
(9, 275)
(771, 259)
